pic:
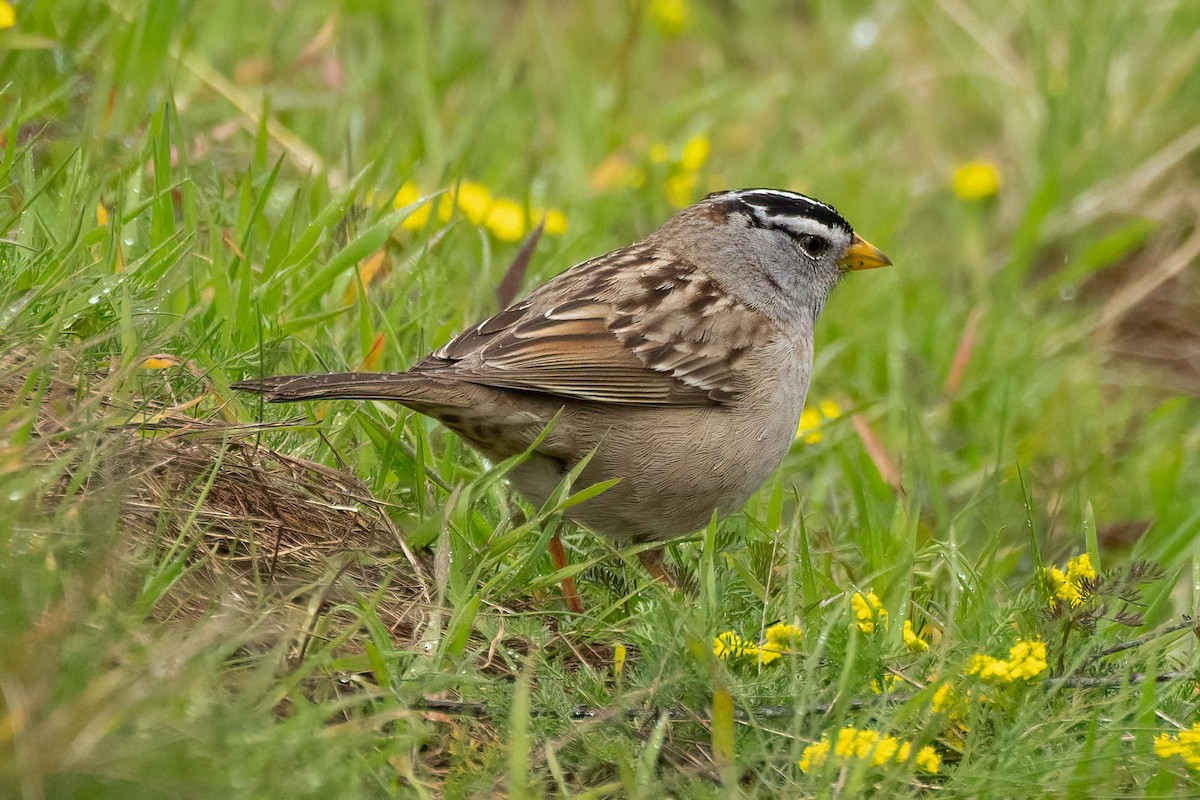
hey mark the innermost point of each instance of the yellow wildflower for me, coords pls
(506, 220)
(1060, 588)
(555, 221)
(912, 641)
(989, 669)
(784, 637)
(781, 638)
(408, 194)
(928, 760)
(810, 426)
(680, 188)
(1080, 569)
(865, 745)
(1185, 744)
(868, 609)
(889, 684)
(8, 15)
(952, 701)
(729, 645)
(976, 180)
(767, 655)
(474, 200)
(814, 754)
(1026, 660)
(619, 655)
(811, 420)
(445, 207)
(1069, 586)
(943, 698)
(695, 153)
(669, 16)
(161, 361)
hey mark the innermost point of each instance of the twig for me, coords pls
(1149, 637)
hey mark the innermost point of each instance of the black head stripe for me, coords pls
(764, 204)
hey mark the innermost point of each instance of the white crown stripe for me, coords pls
(797, 198)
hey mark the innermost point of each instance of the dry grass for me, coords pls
(259, 530)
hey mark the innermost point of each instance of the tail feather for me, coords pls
(337, 385)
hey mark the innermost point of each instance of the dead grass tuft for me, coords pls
(280, 538)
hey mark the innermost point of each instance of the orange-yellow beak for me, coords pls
(861, 254)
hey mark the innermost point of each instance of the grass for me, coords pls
(213, 182)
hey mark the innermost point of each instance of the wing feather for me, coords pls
(640, 330)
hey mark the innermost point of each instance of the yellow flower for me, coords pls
(814, 754)
(680, 188)
(506, 220)
(810, 426)
(729, 645)
(1069, 586)
(912, 641)
(890, 684)
(8, 15)
(928, 760)
(695, 153)
(781, 638)
(619, 655)
(992, 670)
(784, 637)
(1026, 660)
(1185, 744)
(852, 742)
(943, 698)
(1059, 588)
(1080, 569)
(811, 420)
(556, 221)
(669, 16)
(976, 180)
(474, 200)
(161, 361)
(408, 194)
(885, 750)
(952, 702)
(868, 609)
(767, 655)
(865, 745)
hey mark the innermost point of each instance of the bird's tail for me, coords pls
(336, 385)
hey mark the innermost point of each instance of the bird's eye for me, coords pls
(814, 246)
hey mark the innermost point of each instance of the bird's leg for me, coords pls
(559, 556)
(652, 560)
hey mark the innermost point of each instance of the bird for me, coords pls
(677, 366)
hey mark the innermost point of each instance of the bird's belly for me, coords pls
(677, 466)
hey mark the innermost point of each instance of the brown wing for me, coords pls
(640, 331)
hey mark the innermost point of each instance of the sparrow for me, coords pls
(679, 364)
